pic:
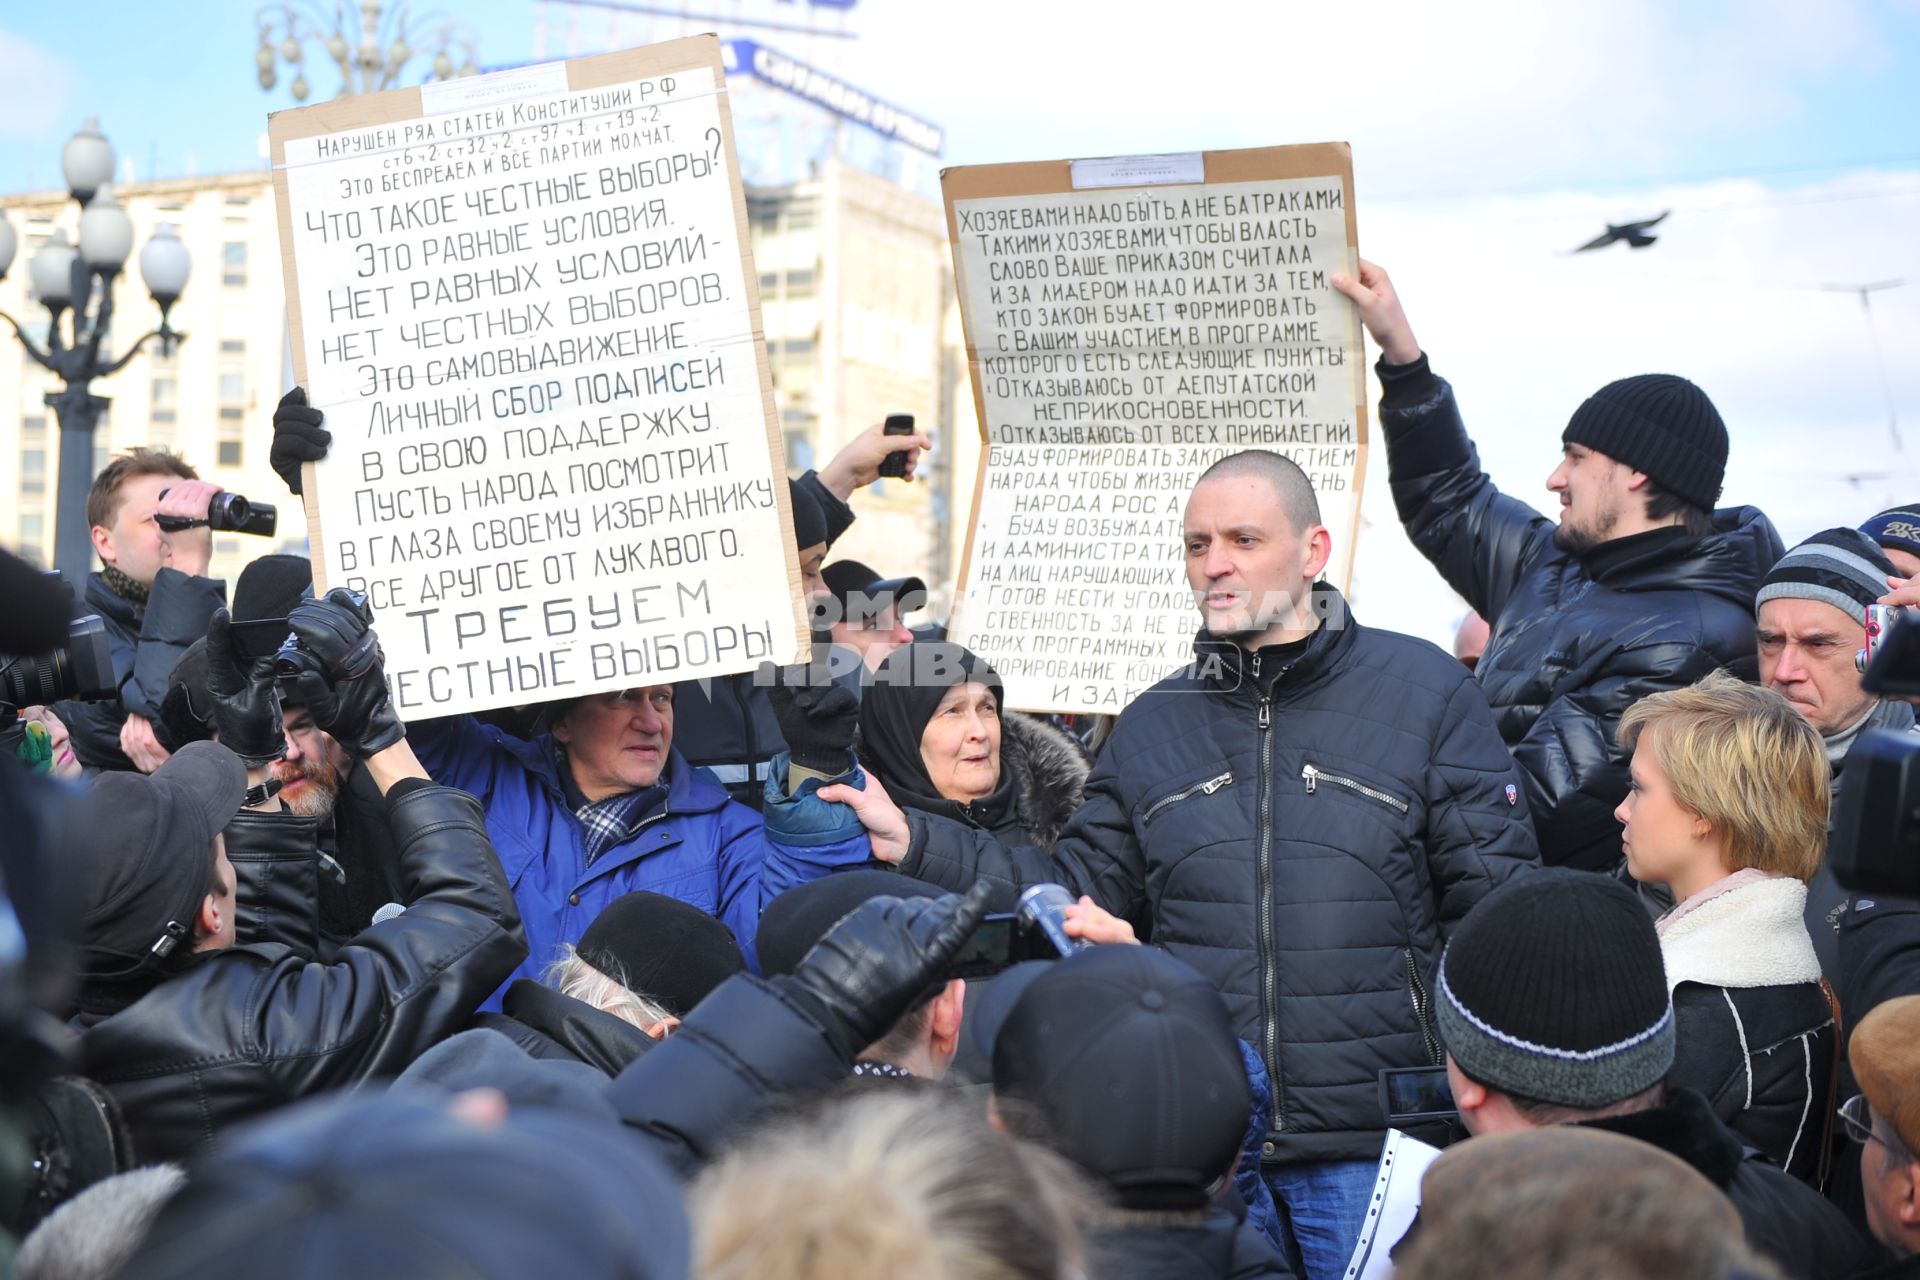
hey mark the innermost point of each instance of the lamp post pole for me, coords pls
(370, 43)
(76, 286)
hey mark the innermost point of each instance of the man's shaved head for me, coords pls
(1290, 484)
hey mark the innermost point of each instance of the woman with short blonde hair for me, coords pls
(1727, 807)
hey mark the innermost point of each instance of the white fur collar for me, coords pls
(1752, 936)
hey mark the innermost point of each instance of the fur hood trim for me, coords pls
(1752, 936)
(1049, 772)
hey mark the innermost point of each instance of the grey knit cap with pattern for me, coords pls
(1553, 989)
(1841, 567)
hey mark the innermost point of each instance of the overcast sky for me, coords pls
(1487, 138)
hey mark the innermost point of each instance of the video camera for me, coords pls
(81, 668)
(1034, 930)
(226, 513)
(1875, 847)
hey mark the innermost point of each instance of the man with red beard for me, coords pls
(314, 768)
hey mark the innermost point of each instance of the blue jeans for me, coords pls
(1324, 1204)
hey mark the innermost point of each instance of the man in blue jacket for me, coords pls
(602, 805)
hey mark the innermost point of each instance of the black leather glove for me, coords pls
(246, 701)
(817, 717)
(872, 966)
(297, 437)
(342, 678)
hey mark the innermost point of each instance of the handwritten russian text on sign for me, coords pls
(1121, 342)
(532, 326)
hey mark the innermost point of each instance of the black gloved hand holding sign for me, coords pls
(298, 436)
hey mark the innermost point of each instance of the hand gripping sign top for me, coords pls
(1131, 321)
(527, 305)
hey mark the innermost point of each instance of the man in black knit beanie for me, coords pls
(1552, 1004)
(1641, 586)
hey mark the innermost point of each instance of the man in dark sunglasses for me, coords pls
(1884, 1118)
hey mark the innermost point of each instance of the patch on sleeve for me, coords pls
(1513, 794)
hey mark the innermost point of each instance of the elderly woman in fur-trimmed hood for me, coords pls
(933, 729)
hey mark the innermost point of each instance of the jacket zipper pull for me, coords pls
(1312, 775)
(1266, 708)
(1216, 784)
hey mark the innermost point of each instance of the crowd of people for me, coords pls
(848, 969)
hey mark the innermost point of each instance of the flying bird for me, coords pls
(1637, 234)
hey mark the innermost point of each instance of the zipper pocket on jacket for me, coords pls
(1422, 1009)
(1314, 777)
(1208, 787)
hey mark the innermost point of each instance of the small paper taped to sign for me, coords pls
(468, 92)
(1139, 171)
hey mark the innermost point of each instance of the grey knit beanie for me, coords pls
(1841, 567)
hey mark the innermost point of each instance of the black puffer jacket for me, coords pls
(1304, 836)
(1575, 641)
(248, 1029)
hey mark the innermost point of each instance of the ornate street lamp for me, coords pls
(370, 50)
(76, 286)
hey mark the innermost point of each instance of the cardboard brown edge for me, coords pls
(592, 72)
(1053, 177)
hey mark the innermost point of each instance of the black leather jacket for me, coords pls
(1575, 641)
(247, 1029)
(276, 870)
(1304, 835)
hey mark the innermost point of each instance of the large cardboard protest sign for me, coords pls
(1129, 322)
(527, 306)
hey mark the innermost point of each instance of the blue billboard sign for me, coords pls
(750, 57)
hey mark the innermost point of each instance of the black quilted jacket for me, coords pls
(1304, 836)
(1575, 641)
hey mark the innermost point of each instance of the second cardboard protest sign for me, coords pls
(526, 306)
(1130, 322)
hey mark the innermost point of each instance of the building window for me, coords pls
(233, 346)
(232, 413)
(163, 415)
(33, 486)
(33, 462)
(164, 392)
(33, 424)
(233, 388)
(229, 453)
(32, 529)
(233, 262)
